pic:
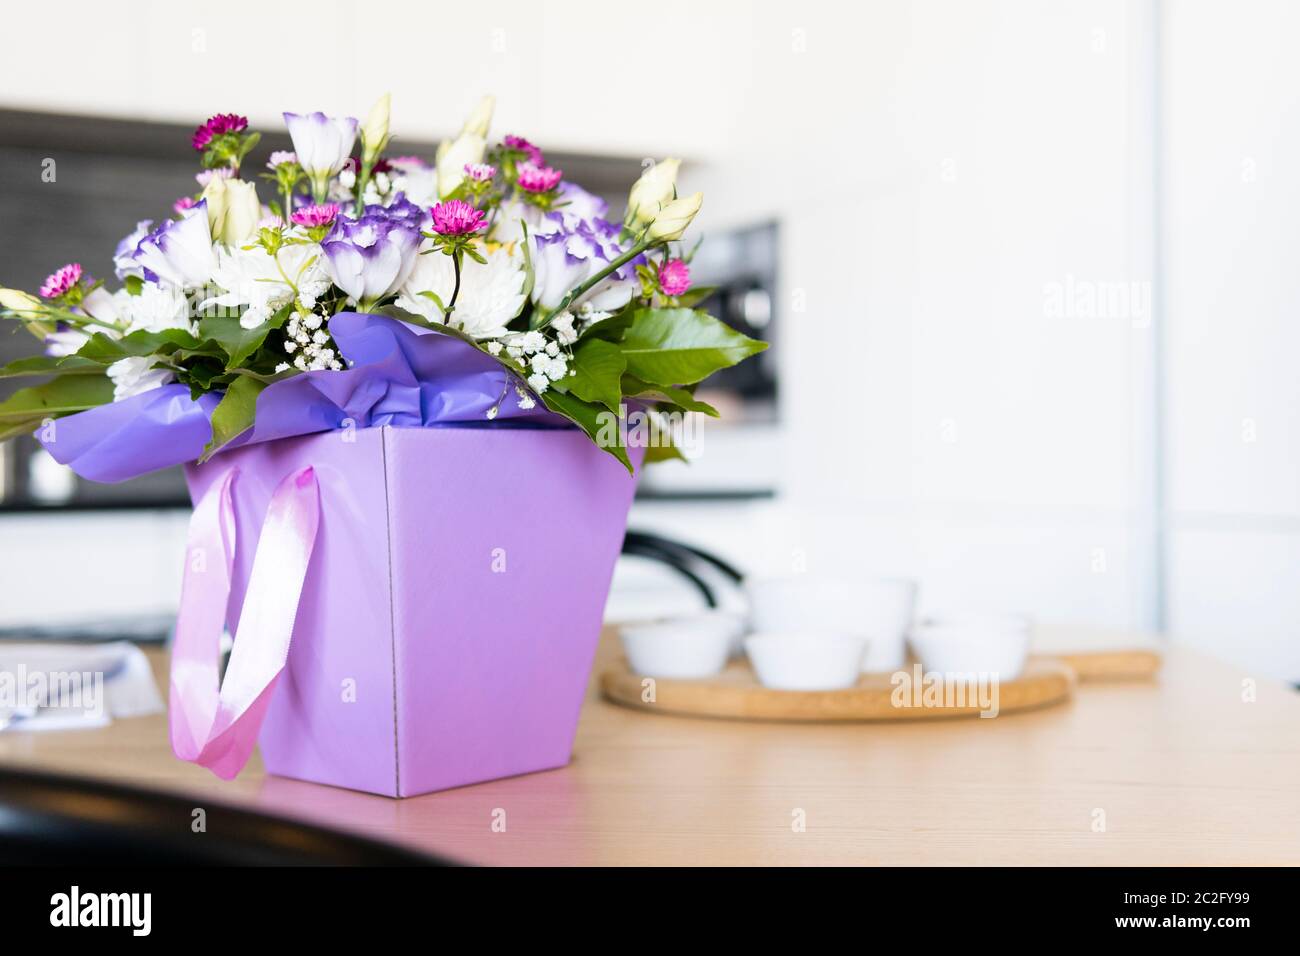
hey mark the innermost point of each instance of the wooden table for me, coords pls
(1180, 771)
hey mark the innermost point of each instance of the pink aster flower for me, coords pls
(538, 179)
(518, 142)
(60, 281)
(216, 126)
(480, 172)
(457, 218)
(185, 202)
(280, 157)
(674, 277)
(313, 216)
(206, 176)
(407, 163)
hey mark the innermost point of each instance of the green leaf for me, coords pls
(682, 346)
(611, 329)
(693, 297)
(234, 413)
(238, 342)
(50, 365)
(600, 424)
(134, 285)
(59, 396)
(680, 397)
(599, 366)
(103, 349)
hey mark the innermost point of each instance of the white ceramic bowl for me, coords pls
(792, 660)
(877, 610)
(683, 648)
(973, 644)
(886, 607)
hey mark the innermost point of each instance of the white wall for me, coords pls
(940, 169)
(1231, 229)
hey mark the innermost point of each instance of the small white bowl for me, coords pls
(683, 648)
(973, 644)
(788, 660)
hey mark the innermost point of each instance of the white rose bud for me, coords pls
(654, 190)
(374, 134)
(674, 218)
(233, 209)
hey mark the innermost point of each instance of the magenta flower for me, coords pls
(480, 172)
(313, 216)
(674, 277)
(455, 217)
(185, 202)
(61, 281)
(538, 179)
(217, 126)
(518, 142)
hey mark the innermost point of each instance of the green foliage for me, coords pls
(234, 414)
(682, 346)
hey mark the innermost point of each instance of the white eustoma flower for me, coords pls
(133, 375)
(490, 295)
(322, 143)
(180, 251)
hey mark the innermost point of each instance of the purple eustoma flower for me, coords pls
(179, 251)
(455, 217)
(370, 257)
(574, 252)
(124, 263)
(322, 143)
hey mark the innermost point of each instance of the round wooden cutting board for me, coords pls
(736, 693)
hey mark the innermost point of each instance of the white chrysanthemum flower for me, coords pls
(490, 295)
(250, 277)
(156, 309)
(133, 375)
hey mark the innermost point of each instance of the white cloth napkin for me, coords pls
(45, 686)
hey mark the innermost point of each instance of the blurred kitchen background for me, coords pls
(1027, 268)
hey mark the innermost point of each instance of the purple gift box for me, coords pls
(452, 603)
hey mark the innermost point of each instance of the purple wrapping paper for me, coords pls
(398, 374)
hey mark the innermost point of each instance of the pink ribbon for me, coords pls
(214, 723)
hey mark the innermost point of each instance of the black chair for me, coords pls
(690, 562)
(61, 821)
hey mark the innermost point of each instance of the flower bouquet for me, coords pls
(409, 397)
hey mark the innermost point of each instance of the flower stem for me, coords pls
(455, 264)
(363, 178)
